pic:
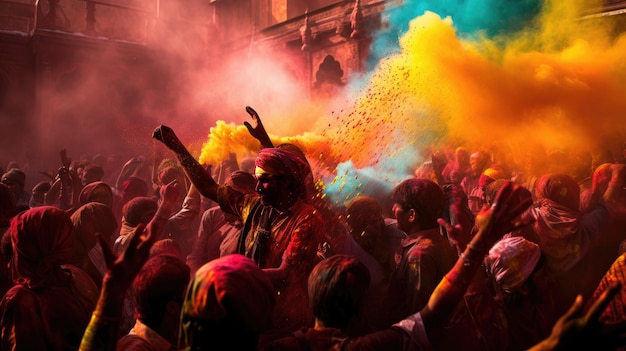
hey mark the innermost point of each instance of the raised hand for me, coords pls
(167, 136)
(65, 161)
(122, 270)
(258, 131)
(460, 233)
(576, 330)
(169, 194)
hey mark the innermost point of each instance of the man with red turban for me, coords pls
(281, 231)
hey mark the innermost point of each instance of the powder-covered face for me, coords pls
(274, 189)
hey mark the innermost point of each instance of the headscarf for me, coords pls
(88, 220)
(563, 240)
(232, 289)
(282, 162)
(97, 192)
(490, 175)
(560, 188)
(511, 261)
(42, 240)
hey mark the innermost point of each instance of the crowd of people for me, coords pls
(473, 254)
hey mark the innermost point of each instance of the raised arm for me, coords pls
(101, 333)
(492, 223)
(577, 330)
(196, 173)
(258, 131)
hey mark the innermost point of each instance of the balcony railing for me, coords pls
(86, 17)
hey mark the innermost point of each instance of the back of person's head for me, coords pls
(228, 302)
(166, 247)
(42, 239)
(241, 181)
(336, 289)
(96, 192)
(133, 187)
(422, 195)
(363, 211)
(491, 174)
(159, 287)
(88, 220)
(366, 225)
(559, 188)
(511, 261)
(139, 210)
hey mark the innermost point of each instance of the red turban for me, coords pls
(283, 163)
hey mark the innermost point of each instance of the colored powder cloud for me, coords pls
(510, 82)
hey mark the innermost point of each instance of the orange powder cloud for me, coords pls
(559, 83)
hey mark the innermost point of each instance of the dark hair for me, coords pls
(162, 279)
(136, 210)
(95, 170)
(422, 195)
(336, 289)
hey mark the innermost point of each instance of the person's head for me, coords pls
(306, 173)
(366, 223)
(336, 289)
(171, 173)
(462, 157)
(96, 192)
(479, 160)
(417, 204)
(42, 240)
(511, 261)
(166, 247)
(15, 179)
(158, 291)
(38, 194)
(139, 210)
(90, 220)
(91, 173)
(559, 188)
(490, 175)
(491, 190)
(133, 187)
(241, 181)
(279, 177)
(229, 300)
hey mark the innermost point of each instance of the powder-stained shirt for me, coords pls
(427, 256)
(294, 236)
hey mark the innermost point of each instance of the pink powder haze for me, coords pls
(557, 83)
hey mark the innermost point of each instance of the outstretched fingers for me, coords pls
(252, 113)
